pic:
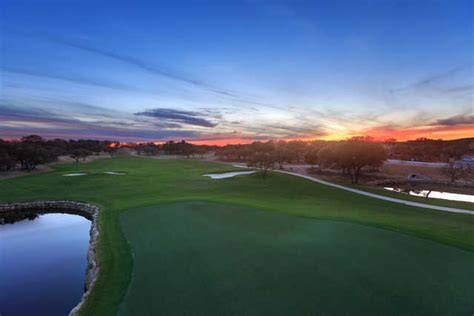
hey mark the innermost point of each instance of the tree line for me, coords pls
(181, 148)
(430, 150)
(33, 150)
(350, 156)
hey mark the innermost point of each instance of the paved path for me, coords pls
(377, 196)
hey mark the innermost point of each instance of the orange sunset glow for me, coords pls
(236, 157)
(315, 81)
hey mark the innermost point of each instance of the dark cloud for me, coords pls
(100, 133)
(185, 117)
(16, 122)
(467, 119)
(465, 88)
(12, 112)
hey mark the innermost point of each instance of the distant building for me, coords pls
(468, 159)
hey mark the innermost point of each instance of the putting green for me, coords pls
(197, 258)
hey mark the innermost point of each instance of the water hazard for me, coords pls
(42, 264)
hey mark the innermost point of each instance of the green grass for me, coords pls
(153, 181)
(198, 258)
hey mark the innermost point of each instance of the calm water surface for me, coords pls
(436, 194)
(42, 264)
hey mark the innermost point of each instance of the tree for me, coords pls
(79, 153)
(327, 156)
(356, 155)
(312, 157)
(352, 156)
(32, 139)
(282, 154)
(263, 161)
(454, 171)
(149, 149)
(111, 149)
(185, 149)
(263, 156)
(6, 162)
(32, 154)
(200, 150)
(296, 150)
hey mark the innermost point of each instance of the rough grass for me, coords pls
(153, 181)
(198, 258)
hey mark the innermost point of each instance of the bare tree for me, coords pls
(454, 171)
(263, 156)
(312, 158)
(79, 153)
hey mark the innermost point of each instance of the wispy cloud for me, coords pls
(68, 78)
(17, 121)
(459, 89)
(436, 79)
(285, 131)
(141, 64)
(463, 119)
(154, 69)
(185, 117)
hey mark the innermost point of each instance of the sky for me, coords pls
(218, 72)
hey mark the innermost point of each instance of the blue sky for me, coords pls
(245, 70)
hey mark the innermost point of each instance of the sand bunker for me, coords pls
(78, 174)
(115, 173)
(227, 174)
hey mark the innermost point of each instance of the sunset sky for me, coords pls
(236, 71)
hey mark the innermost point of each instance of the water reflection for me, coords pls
(11, 218)
(42, 264)
(435, 194)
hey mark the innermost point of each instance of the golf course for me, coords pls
(175, 242)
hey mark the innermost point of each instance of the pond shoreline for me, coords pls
(89, 211)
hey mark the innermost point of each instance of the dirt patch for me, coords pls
(20, 173)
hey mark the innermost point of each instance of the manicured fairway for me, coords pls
(152, 181)
(199, 258)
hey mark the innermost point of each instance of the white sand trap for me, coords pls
(227, 174)
(74, 174)
(115, 173)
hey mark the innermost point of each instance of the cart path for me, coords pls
(376, 196)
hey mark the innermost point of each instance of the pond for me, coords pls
(42, 262)
(435, 194)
